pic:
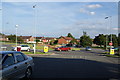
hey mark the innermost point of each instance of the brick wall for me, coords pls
(62, 41)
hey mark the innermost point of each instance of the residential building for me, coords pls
(64, 40)
(3, 38)
(28, 39)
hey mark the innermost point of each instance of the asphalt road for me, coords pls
(76, 64)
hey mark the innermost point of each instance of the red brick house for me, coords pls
(45, 39)
(27, 38)
(64, 40)
(3, 38)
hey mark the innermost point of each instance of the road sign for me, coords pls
(112, 51)
(45, 49)
(110, 43)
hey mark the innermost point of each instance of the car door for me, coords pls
(21, 63)
(9, 69)
(24, 47)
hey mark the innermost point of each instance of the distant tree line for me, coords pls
(85, 40)
(12, 38)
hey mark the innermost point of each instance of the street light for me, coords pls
(107, 28)
(106, 34)
(35, 27)
(16, 26)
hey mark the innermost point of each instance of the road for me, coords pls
(76, 64)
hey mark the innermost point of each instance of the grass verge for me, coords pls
(36, 53)
(108, 55)
(75, 49)
(116, 56)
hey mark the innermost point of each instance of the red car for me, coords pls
(63, 48)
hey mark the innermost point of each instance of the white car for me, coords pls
(23, 48)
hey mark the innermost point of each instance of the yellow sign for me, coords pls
(112, 51)
(45, 49)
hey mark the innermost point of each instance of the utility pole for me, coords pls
(35, 28)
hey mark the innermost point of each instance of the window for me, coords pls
(24, 46)
(8, 60)
(24, 56)
(19, 57)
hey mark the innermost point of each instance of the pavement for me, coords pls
(76, 64)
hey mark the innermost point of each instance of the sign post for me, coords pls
(34, 48)
(112, 52)
(45, 49)
(110, 43)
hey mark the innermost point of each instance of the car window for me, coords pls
(25, 57)
(19, 57)
(8, 60)
(24, 45)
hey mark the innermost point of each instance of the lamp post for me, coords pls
(106, 34)
(110, 30)
(16, 26)
(35, 28)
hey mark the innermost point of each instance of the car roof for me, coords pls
(7, 52)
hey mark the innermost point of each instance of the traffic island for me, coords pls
(115, 56)
(107, 54)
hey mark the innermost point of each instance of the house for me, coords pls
(28, 39)
(39, 38)
(45, 39)
(3, 38)
(64, 40)
(48, 39)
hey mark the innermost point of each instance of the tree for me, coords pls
(85, 41)
(74, 41)
(70, 35)
(55, 42)
(119, 39)
(114, 40)
(119, 43)
(37, 40)
(100, 40)
(12, 38)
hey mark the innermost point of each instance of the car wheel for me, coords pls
(28, 73)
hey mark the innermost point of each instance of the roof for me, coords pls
(39, 37)
(2, 36)
(25, 37)
(49, 38)
(6, 52)
(67, 38)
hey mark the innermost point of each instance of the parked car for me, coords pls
(23, 48)
(63, 48)
(88, 49)
(15, 65)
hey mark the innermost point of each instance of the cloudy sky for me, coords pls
(54, 19)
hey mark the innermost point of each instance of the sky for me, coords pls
(55, 19)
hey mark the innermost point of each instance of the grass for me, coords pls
(35, 53)
(116, 56)
(76, 49)
(105, 53)
(31, 45)
(108, 54)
